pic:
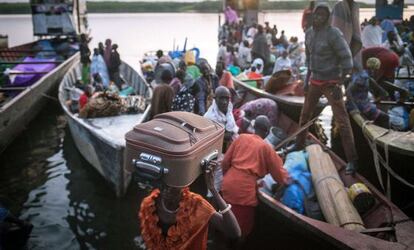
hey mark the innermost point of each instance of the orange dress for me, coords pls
(248, 159)
(190, 230)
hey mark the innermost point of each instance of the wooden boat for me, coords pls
(53, 18)
(387, 227)
(17, 110)
(395, 153)
(400, 142)
(290, 105)
(101, 140)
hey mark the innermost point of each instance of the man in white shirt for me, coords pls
(221, 55)
(372, 34)
(282, 62)
(244, 55)
(251, 32)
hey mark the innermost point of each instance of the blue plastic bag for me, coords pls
(399, 118)
(300, 188)
(297, 159)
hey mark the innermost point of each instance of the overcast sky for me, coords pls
(11, 1)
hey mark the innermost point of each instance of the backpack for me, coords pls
(183, 101)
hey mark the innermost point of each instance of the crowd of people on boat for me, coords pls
(380, 48)
(185, 85)
(100, 90)
(334, 57)
(258, 50)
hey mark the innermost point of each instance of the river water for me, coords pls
(44, 179)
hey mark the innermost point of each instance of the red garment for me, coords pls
(248, 159)
(323, 82)
(254, 75)
(245, 218)
(83, 100)
(389, 60)
(227, 80)
(191, 228)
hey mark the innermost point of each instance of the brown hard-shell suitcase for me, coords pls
(173, 146)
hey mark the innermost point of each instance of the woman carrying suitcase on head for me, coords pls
(175, 218)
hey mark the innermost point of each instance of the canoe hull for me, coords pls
(18, 112)
(324, 235)
(289, 105)
(400, 157)
(107, 159)
(382, 217)
(101, 140)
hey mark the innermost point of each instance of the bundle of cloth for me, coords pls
(103, 105)
(279, 84)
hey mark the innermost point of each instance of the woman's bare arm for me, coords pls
(225, 222)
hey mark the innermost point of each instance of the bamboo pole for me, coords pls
(332, 195)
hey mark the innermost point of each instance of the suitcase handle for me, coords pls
(189, 129)
(208, 159)
(148, 170)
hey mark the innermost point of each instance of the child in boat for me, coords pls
(84, 98)
(253, 74)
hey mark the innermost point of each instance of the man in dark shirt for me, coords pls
(329, 61)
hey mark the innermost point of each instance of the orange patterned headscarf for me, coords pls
(190, 230)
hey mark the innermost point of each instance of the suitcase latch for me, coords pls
(148, 166)
(150, 158)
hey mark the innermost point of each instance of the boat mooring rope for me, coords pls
(380, 161)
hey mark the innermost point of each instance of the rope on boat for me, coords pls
(380, 161)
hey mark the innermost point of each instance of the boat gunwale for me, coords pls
(278, 98)
(394, 145)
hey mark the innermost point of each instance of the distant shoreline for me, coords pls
(163, 7)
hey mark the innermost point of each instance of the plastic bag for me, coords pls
(399, 118)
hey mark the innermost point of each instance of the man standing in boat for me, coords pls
(329, 62)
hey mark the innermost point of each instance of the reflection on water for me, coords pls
(45, 180)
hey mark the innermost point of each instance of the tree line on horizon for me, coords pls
(142, 7)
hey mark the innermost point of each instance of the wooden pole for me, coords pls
(332, 195)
